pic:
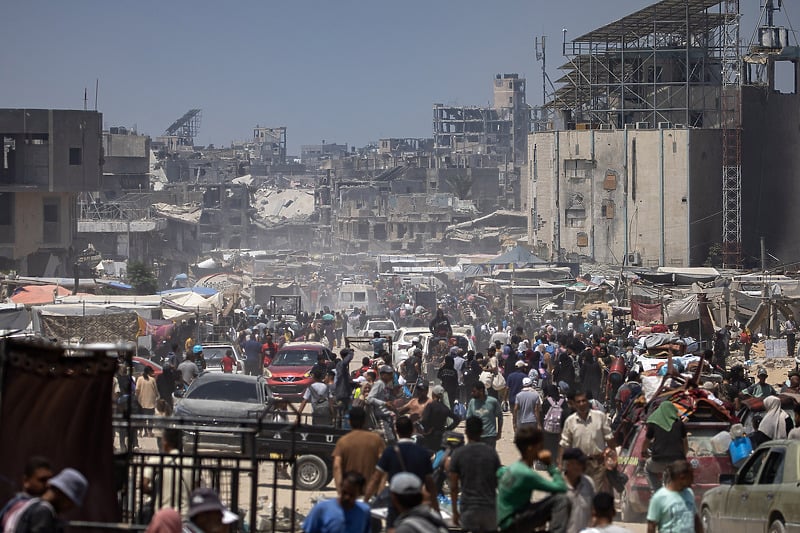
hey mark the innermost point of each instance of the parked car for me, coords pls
(763, 496)
(140, 362)
(289, 374)
(213, 353)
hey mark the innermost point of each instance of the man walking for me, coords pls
(528, 405)
(488, 410)
(590, 431)
(473, 474)
(358, 451)
(404, 456)
(253, 362)
(672, 508)
(344, 513)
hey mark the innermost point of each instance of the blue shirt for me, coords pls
(514, 384)
(328, 516)
(416, 460)
(252, 350)
(672, 511)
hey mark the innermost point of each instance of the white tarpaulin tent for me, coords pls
(179, 305)
(683, 310)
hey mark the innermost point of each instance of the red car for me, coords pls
(140, 362)
(707, 464)
(289, 374)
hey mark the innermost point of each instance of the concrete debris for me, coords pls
(189, 213)
(284, 204)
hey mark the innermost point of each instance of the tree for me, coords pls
(142, 278)
(714, 258)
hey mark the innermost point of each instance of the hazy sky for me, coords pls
(345, 71)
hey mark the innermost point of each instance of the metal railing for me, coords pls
(231, 459)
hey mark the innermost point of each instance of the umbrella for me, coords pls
(327, 316)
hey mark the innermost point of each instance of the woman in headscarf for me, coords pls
(448, 376)
(166, 520)
(665, 442)
(776, 424)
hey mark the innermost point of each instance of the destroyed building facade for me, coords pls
(661, 146)
(49, 156)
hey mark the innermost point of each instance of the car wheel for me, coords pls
(627, 513)
(312, 472)
(706, 517)
(777, 526)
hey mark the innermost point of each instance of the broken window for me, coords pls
(582, 239)
(575, 214)
(37, 138)
(610, 183)
(607, 209)
(75, 156)
(51, 215)
(577, 168)
(379, 231)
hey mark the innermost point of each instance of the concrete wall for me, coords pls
(602, 195)
(705, 192)
(770, 170)
(126, 154)
(29, 232)
(59, 131)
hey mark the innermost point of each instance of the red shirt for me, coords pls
(227, 364)
(268, 350)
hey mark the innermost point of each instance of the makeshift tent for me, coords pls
(682, 310)
(88, 323)
(14, 317)
(38, 294)
(519, 256)
(184, 304)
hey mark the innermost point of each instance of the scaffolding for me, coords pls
(185, 128)
(731, 113)
(660, 66)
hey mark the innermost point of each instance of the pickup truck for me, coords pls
(234, 413)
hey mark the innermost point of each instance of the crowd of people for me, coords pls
(555, 382)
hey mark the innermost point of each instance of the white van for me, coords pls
(359, 295)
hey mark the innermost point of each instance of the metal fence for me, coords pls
(230, 458)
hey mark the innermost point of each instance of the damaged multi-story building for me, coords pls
(473, 136)
(664, 142)
(48, 158)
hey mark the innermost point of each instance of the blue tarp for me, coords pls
(202, 291)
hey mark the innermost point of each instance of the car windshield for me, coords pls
(226, 390)
(407, 337)
(295, 358)
(381, 325)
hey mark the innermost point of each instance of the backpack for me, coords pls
(319, 404)
(552, 420)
